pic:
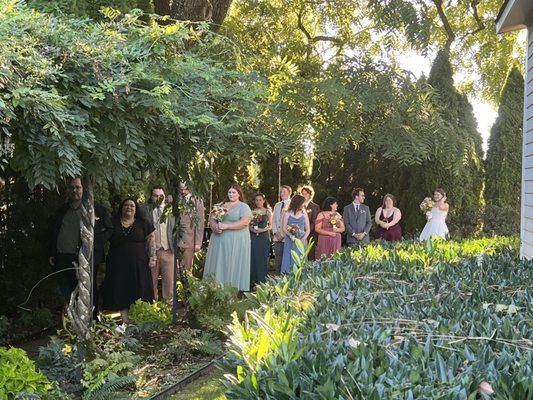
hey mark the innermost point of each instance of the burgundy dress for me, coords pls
(326, 244)
(393, 234)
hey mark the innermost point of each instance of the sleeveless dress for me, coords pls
(260, 251)
(327, 245)
(228, 254)
(128, 276)
(287, 262)
(436, 226)
(393, 234)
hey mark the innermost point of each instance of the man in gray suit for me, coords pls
(357, 220)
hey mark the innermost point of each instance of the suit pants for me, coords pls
(278, 254)
(164, 266)
(188, 257)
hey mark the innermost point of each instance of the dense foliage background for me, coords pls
(155, 91)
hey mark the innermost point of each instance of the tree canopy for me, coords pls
(104, 100)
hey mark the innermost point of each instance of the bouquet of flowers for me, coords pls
(258, 220)
(333, 220)
(257, 217)
(295, 231)
(219, 212)
(426, 206)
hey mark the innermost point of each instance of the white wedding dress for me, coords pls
(436, 226)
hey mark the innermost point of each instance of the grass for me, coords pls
(207, 387)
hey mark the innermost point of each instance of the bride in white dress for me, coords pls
(436, 224)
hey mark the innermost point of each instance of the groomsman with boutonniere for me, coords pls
(357, 220)
(164, 223)
(191, 226)
(279, 237)
(313, 210)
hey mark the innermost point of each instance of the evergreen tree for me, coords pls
(503, 164)
(458, 166)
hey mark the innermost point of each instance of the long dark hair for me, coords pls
(326, 206)
(239, 190)
(297, 203)
(266, 203)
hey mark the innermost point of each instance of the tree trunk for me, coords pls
(212, 11)
(80, 306)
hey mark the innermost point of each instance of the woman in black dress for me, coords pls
(131, 254)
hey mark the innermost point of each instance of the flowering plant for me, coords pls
(426, 206)
(219, 212)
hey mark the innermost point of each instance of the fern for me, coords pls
(110, 389)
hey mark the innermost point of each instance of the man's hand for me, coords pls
(51, 260)
(359, 236)
(152, 263)
(198, 247)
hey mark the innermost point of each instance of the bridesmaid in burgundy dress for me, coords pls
(329, 226)
(387, 218)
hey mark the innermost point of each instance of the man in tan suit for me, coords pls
(164, 244)
(192, 223)
(279, 236)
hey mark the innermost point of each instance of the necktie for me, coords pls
(357, 207)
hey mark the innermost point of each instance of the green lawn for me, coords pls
(207, 387)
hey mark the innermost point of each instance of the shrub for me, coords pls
(435, 320)
(58, 361)
(211, 302)
(501, 220)
(155, 314)
(40, 318)
(18, 374)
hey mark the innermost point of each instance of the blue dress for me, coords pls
(287, 262)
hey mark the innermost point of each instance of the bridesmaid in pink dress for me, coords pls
(329, 226)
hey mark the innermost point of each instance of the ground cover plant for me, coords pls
(441, 320)
(138, 360)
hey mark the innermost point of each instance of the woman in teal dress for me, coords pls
(228, 254)
(295, 225)
(260, 237)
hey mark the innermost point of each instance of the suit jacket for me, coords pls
(192, 234)
(357, 222)
(312, 212)
(277, 219)
(103, 228)
(171, 229)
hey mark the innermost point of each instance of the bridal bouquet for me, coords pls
(426, 206)
(295, 231)
(219, 212)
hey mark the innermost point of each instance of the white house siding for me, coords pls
(527, 154)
